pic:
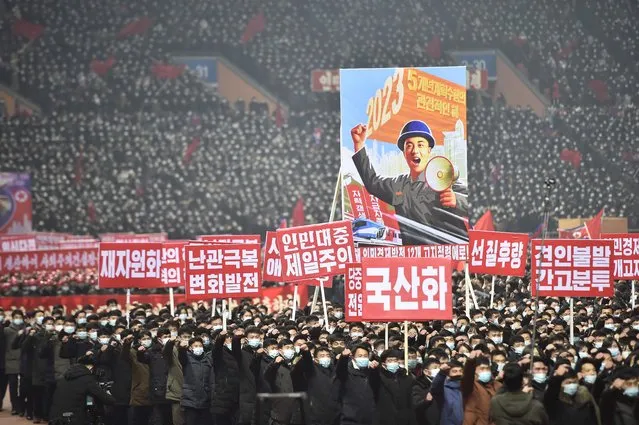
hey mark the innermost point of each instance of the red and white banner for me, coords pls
(497, 253)
(50, 240)
(453, 252)
(234, 239)
(353, 293)
(625, 254)
(133, 237)
(173, 265)
(272, 260)
(130, 265)
(315, 251)
(406, 289)
(325, 80)
(17, 243)
(79, 243)
(222, 271)
(44, 260)
(573, 268)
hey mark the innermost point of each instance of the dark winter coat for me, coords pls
(71, 394)
(122, 372)
(426, 412)
(199, 379)
(520, 408)
(448, 395)
(321, 389)
(618, 409)
(175, 375)
(283, 410)
(42, 372)
(158, 372)
(356, 394)
(580, 409)
(249, 369)
(393, 397)
(12, 355)
(226, 394)
(140, 379)
(51, 350)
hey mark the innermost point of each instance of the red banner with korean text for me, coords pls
(353, 293)
(48, 260)
(222, 271)
(234, 239)
(133, 237)
(315, 251)
(625, 254)
(130, 265)
(79, 243)
(573, 268)
(325, 80)
(172, 264)
(455, 252)
(406, 289)
(16, 243)
(272, 261)
(497, 253)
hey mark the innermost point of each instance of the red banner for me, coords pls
(43, 260)
(453, 252)
(625, 254)
(139, 26)
(222, 271)
(325, 80)
(406, 289)
(27, 29)
(79, 243)
(498, 253)
(353, 293)
(167, 71)
(272, 260)
(173, 265)
(234, 239)
(50, 240)
(102, 67)
(316, 250)
(573, 268)
(130, 265)
(15, 243)
(133, 237)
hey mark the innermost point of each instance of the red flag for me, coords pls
(79, 168)
(167, 72)
(485, 222)
(279, 116)
(593, 226)
(190, 150)
(572, 156)
(434, 47)
(27, 29)
(297, 217)
(255, 25)
(102, 67)
(91, 212)
(139, 26)
(600, 89)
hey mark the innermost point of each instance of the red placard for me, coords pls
(353, 293)
(172, 266)
(222, 271)
(315, 251)
(234, 239)
(133, 238)
(497, 252)
(325, 80)
(130, 265)
(272, 261)
(625, 254)
(455, 252)
(406, 289)
(79, 243)
(573, 268)
(48, 260)
(16, 243)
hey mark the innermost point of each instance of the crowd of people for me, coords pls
(141, 364)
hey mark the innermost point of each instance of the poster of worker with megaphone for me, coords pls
(403, 155)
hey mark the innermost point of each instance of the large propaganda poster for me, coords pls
(403, 155)
(15, 203)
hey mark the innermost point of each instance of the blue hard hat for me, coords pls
(415, 129)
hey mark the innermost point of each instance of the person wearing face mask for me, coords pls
(567, 402)
(227, 356)
(392, 390)
(267, 356)
(249, 363)
(158, 373)
(284, 411)
(426, 409)
(317, 373)
(356, 332)
(587, 373)
(175, 373)
(12, 359)
(77, 345)
(141, 407)
(41, 369)
(539, 377)
(199, 381)
(355, 393)
(619, 404)
(513, 405)
(446, 391)
(49, 352)
(478, 387)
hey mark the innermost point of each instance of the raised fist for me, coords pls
(358, 134)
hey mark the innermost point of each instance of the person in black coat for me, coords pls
(71, 393)
(225, 397)
(284, 411)
(619, 404)
(117, 355)
(267, 356)
(76, 346)
(249, 368)
(318, 372)
(392, 388)
(199, 381)
(567, 402)
(355, 393)
(42, 373)
(426, 408)
(158, 374)
(23, 343)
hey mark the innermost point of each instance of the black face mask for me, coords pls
(338, 350)
(455, 378)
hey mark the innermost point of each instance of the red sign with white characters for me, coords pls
(45, 260)
(172, 267)
(130, 265)
(625, 254)
(234, 239)
(497, 253)
(353, 293)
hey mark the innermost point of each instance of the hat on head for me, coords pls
(415, 129)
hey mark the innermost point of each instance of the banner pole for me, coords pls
(229, 309)
(632, 294)
(171, 302)
(223, 314)
(406, 345)
(492, 291)
(470, 287)
(572, 323)
(386, 336)
(323, 301)
(213, 307)
(294, 302)
(467, 297)
(128, 303)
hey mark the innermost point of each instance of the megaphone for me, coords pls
(440, 173)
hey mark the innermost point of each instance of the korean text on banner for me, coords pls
(15, 243)
(498, 253)
(573, 268)
(453, 252)
(353, 293)
(625, 254)
(172, 266)
(43, 260)
(404, 178)
(15, 203)
(406, 289)
(272, 261)
(222, 271)
(130, 265)
(234, 239)
(315, 251)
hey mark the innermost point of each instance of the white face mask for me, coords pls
(434, 372)
(59, 328)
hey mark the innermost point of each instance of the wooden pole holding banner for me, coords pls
(324, 301)
(229, 309)
(470, 287)
(572, 323)
(406, 344)
(126, 308)
(633, 296)
(223, 314)
(467, 298)
(492, 291)
(386, 336)
(213, 307)
(171, 302)
(294, 302)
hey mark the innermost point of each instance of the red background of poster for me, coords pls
(503, 269)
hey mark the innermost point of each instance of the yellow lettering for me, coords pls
(412, 80)
(421, 101)
(446, 109)
(454, 110)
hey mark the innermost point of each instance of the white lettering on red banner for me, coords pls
(573, 268)
(272, 260)
(133, 238)
(625, 254)
(325, 80)
(130, 265)
(172, 267)
(453, 252)
(222, 271)
(315, 251)
(42, 260)
(497, 253)
(234, 239)
(16, 243)
(353, 293)
(406, 289)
